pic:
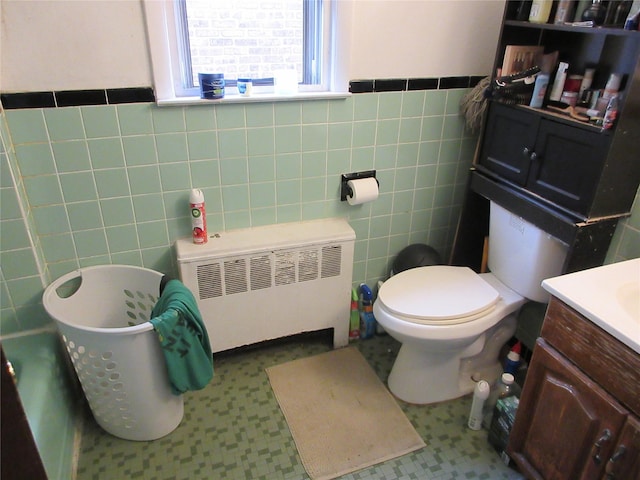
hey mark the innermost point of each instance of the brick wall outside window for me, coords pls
(245, 38)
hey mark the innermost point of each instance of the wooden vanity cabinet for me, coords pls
(579, 409)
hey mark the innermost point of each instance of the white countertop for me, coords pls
(609, 296)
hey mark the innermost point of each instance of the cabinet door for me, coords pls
(566, 425)
(567, 164)
(624, 463)
(509, 132)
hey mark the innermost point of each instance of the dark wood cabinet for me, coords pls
(578, 413)
(572, 179)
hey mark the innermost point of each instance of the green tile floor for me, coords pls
(234, 429)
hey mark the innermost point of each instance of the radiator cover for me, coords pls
(268, 282)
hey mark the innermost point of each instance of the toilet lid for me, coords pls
(438, 294)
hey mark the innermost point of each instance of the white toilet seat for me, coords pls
(438, 295)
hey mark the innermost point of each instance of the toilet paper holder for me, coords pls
(345, 190)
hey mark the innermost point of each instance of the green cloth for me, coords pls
(183, 338)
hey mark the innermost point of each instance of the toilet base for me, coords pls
(422, 377)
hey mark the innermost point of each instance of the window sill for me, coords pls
(255, 98)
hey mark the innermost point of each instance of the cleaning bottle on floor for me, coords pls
(480, 395)
(512, 362)
(367, 320)
(354, 319)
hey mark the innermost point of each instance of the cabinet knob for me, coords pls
(604, 437)
(534, 156)
(526, 151)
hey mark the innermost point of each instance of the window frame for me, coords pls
(166, 67)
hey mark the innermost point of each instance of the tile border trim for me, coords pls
(114, 96)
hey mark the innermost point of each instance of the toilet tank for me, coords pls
(521, 255)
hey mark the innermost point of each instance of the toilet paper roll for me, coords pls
(362, 190)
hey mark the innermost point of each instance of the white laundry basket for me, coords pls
(114, 349)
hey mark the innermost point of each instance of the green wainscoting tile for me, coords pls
(10, 205)
(288, 113)
(378, 248)
(205, 173)
(35, 159)
(6, 179)
(446, 174)
(400, 223)
(313, 189)
(200, 117)
(379, 226)
(71, 156)
(449, 151)
(122, 238)
(112, 182)
(117, 211)
(64, 123)
(429, 153)
(362, 159)
(432, 128)
(84, 215)
(127, 258)
(341, 110)
(338, 162)
(288, 192)
(262, 195)
(27, 126)
(172, 147)
(238, 219)
(454, 97)
(314, 137)
(51, 219)
(260, 115)
(230, 116)
(167, 120)
(314, 164)
(233, 143)
(364, 133)
(313, 211)
(92, 261)
(135, 118)
(413, 103)
(234, 171)
(262, 169)
(202, 145)
(288, 213)
(175, 176)
(149, 207)
(385, 156)
(315, 112)
(435, 102)
(263, 216)
(139, 150)
(90, 243)
(152, 234)
(234, 198)
(339, 135)
(402, 201)
(408, 154)
(288, 139)
(405, 179)
(260, 141)
(423, 198)
(383, 204)
(288, 166)
(144, 179)
(100, 121)
(41, 190)
(453, 126)
(365, 107)
(14, 235)
(106, 153)
(77, 187)
(389, 105)
(20, 263)
(58, 248)
(410, 130)
(387, 132)
(25, 291)
(176, 206)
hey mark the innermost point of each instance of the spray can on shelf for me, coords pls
(367, 320)
(480, 395)
(198, 216)
(354, 319)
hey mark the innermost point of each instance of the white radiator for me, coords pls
(268, 282)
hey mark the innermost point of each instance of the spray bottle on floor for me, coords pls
(354, 319)
(367, 320)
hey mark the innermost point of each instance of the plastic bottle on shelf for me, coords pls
(563, 12)
(512, 362)
(506, 387)
(480, 395)
(610, 113)
(540, 11)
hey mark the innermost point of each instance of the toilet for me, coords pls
(452, 322)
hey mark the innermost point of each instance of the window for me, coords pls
(252, 38)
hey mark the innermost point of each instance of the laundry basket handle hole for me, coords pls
(69, 288)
